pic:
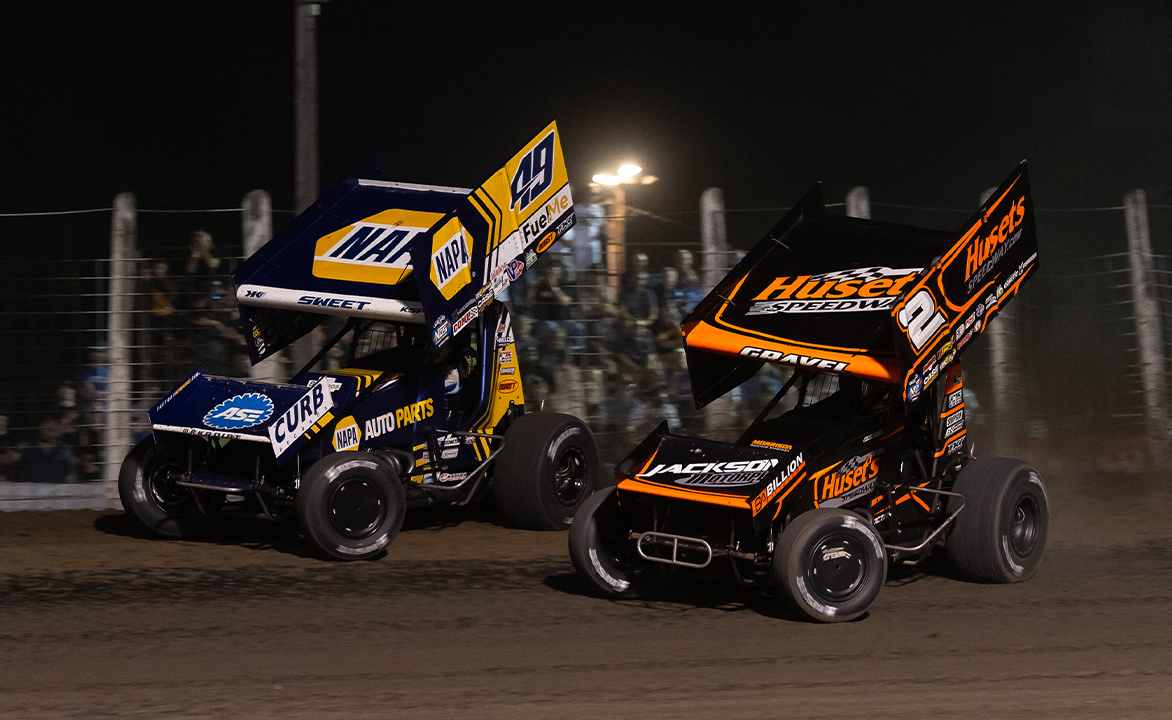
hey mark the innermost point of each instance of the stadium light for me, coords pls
(627, 174)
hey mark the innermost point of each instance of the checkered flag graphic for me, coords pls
(865, 275)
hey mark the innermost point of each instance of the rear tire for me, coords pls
(147, 489)
(1000, 536)
(351, 505)
(547, 469)
(600, 548)
(831, 563)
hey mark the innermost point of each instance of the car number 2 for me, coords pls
(920, 319)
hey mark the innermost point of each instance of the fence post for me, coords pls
(858, 203)
(714, 258)
(713, 237)
(1149, 334)
(258, 228)
(123, 247)
(1002, 363)
(616, 237)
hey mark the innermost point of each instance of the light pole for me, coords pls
(616, 216)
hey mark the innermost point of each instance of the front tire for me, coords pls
(547, 469)
(600, 548)
(831, 563)
(1000, 536)
(147, 489)
(351, 505)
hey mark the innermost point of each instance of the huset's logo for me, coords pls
(859, 290)
(981, 249)
(849, 481)
(534, 174)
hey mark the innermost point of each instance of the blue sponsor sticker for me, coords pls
(914, 386)
(242, 411)
(516, 267)
(439, 332)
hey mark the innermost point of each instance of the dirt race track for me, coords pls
(467, 618)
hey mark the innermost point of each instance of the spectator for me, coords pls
(91, 380)
(162, 312)
(693, 291)
(640, 303)
(547, 298)
(48, 460)
(202, 268)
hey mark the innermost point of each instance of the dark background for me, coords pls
(190, 105)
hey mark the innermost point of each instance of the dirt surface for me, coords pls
(467, 618)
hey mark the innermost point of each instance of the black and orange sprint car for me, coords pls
(862, 457)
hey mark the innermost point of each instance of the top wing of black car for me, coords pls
(860, 297)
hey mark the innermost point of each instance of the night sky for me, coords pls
(191, 104)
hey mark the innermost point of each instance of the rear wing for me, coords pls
(355, 252)
(951, 303)
(858, 297)
(478, 249)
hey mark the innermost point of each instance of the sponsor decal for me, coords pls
(449, 453)
(439, 331)
(515, 268)
(540, 224)
(463, 321)
(450, 259)
(718, 474)
(959, 332)
(380, 425)
(242, 411)
(530, 258)
(947, 353)
(347, 434)
(915, 385)
(859, 290)
(534, 174)
(778, 482)
(504, 331)
(964, 340)
(177, 390)
(955, 399)
(254, 293)
(506, 386)
(983, 253)
(413, 413)
(969, 322)
(954, 423)
(332, 302)
(849, 481)
(329, 382)
(774, 445)
(376, 249)
(504, 356)
(300, 417)
(774, 356)
(979, 310)
(452, 477)
(509, 371)
(955, 446)
(872, 436)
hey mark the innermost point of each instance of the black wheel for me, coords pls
(1000, 535)
(351, 505)
(831, 564)
(601, 550)
(146, 486)
(548, 467)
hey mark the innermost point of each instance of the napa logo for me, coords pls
(376, 249)
(534, 174)
(242, 411)
(347, 434)
(450, 259)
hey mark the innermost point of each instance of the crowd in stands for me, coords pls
(608, 352)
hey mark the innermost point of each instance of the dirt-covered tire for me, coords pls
(831, 564)
(600, 549)
(547, 469)
(146, 486)
(1000, 535)
(351, 505)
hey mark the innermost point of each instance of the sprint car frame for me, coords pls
(428, 409)
(862, 458)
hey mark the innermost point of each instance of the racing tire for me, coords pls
(351, 505)
(831, 564)
(147, 489)
(547, 469)
(601, 550)
(1000, 536)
